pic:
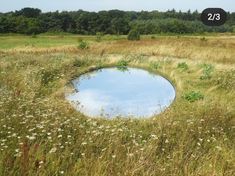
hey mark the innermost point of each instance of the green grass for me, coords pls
(193, 96)
(183, 66)
(41, 134)
(28, 41)
(47, 40)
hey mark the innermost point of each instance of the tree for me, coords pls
(29, 12)
(31, 20)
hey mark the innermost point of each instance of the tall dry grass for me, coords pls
(41, 134)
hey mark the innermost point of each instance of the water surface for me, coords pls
(111, 92)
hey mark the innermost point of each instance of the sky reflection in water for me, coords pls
(110, 92)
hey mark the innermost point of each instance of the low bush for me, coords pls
(83, 44)
(133, 35)
(207, 71)
(99, 36)
(183, 66)
(122, 65)
(193, 96)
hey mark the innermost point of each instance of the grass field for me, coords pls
(41, 134)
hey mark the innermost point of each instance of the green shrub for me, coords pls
(193, 96)
(207, 71)
(122, 65)
(99, 36)
(83, 44)
(183, 66)
(133, 35)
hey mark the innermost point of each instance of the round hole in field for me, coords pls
(118, 92)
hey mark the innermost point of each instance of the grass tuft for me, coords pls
(193, 96)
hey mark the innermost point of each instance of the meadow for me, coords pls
(42, 134)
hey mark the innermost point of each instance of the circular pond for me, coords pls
(112, 92)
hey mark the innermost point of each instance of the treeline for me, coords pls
(33, 21)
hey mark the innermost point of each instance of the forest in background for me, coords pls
(33, 21)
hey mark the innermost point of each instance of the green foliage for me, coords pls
(107, 22)
(83, 44)
(183, 66)
(99, 36)
(122, 65)
(28, 12)
(207, 71)
(193, 96)
(133, 35)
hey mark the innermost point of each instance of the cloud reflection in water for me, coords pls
(111, 92)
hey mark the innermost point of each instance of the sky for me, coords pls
(128, 5)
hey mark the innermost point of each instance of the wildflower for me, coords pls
(218, 148)
(53, 150)
(16, 150)
(153, 136)
(113, 156)
(31, 137)
(130, 154)
(61, 172)
(14, 134)
(103, 149)
(84, 143)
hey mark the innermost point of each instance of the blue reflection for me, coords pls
(110, 93)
